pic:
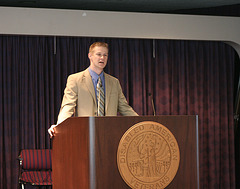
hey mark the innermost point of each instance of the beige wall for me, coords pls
(59, 22)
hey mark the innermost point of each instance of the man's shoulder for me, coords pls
(78, 74)
(110, 77)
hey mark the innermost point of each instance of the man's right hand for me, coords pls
(51, 131)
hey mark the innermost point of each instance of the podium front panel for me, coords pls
(74, 167)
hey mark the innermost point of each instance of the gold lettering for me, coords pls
(149, 186)
(175, 157)
(164, 132)
(174, 150)
(155, 128)
(122, 160)
(128, 138)
(123, 149)
(159, 185)
(172, 144)
(168, 137)
(136, 185)
(137, 129)
(151, 127)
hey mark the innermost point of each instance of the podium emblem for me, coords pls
(148, 156)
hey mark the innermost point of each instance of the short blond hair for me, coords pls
(97, 44)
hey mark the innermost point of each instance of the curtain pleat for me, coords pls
(182, 78)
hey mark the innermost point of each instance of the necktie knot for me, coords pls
(99, 83)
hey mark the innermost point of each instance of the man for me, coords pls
(87, 95)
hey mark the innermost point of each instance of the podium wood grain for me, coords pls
(71, 151)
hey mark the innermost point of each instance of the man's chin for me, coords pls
(102, 66)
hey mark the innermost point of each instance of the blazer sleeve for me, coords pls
(69, 100)
(123, 107)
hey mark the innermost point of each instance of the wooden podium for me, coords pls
(84, 151)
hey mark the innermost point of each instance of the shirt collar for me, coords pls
(95, 76)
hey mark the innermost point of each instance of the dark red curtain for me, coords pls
(183, 77)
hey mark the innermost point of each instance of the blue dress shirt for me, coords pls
(95, 77)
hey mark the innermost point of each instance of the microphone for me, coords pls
(154, 113)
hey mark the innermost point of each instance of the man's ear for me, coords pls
(89, 55)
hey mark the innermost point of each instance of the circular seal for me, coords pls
(148, 156)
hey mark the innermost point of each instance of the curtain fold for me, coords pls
(182, 77)
(200, 82)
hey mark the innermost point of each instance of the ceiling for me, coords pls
(151, 6)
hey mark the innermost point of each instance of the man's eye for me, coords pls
(102, 55)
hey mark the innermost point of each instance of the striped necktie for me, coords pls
(100, 97)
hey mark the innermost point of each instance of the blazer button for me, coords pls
(95, 113)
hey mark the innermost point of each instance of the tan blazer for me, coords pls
(80, 99)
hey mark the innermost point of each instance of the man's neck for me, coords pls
(97, 71)
(93, 70)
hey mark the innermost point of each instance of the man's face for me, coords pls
(98, 58)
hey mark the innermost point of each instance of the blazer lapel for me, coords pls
(107, 91)
(89, 84)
